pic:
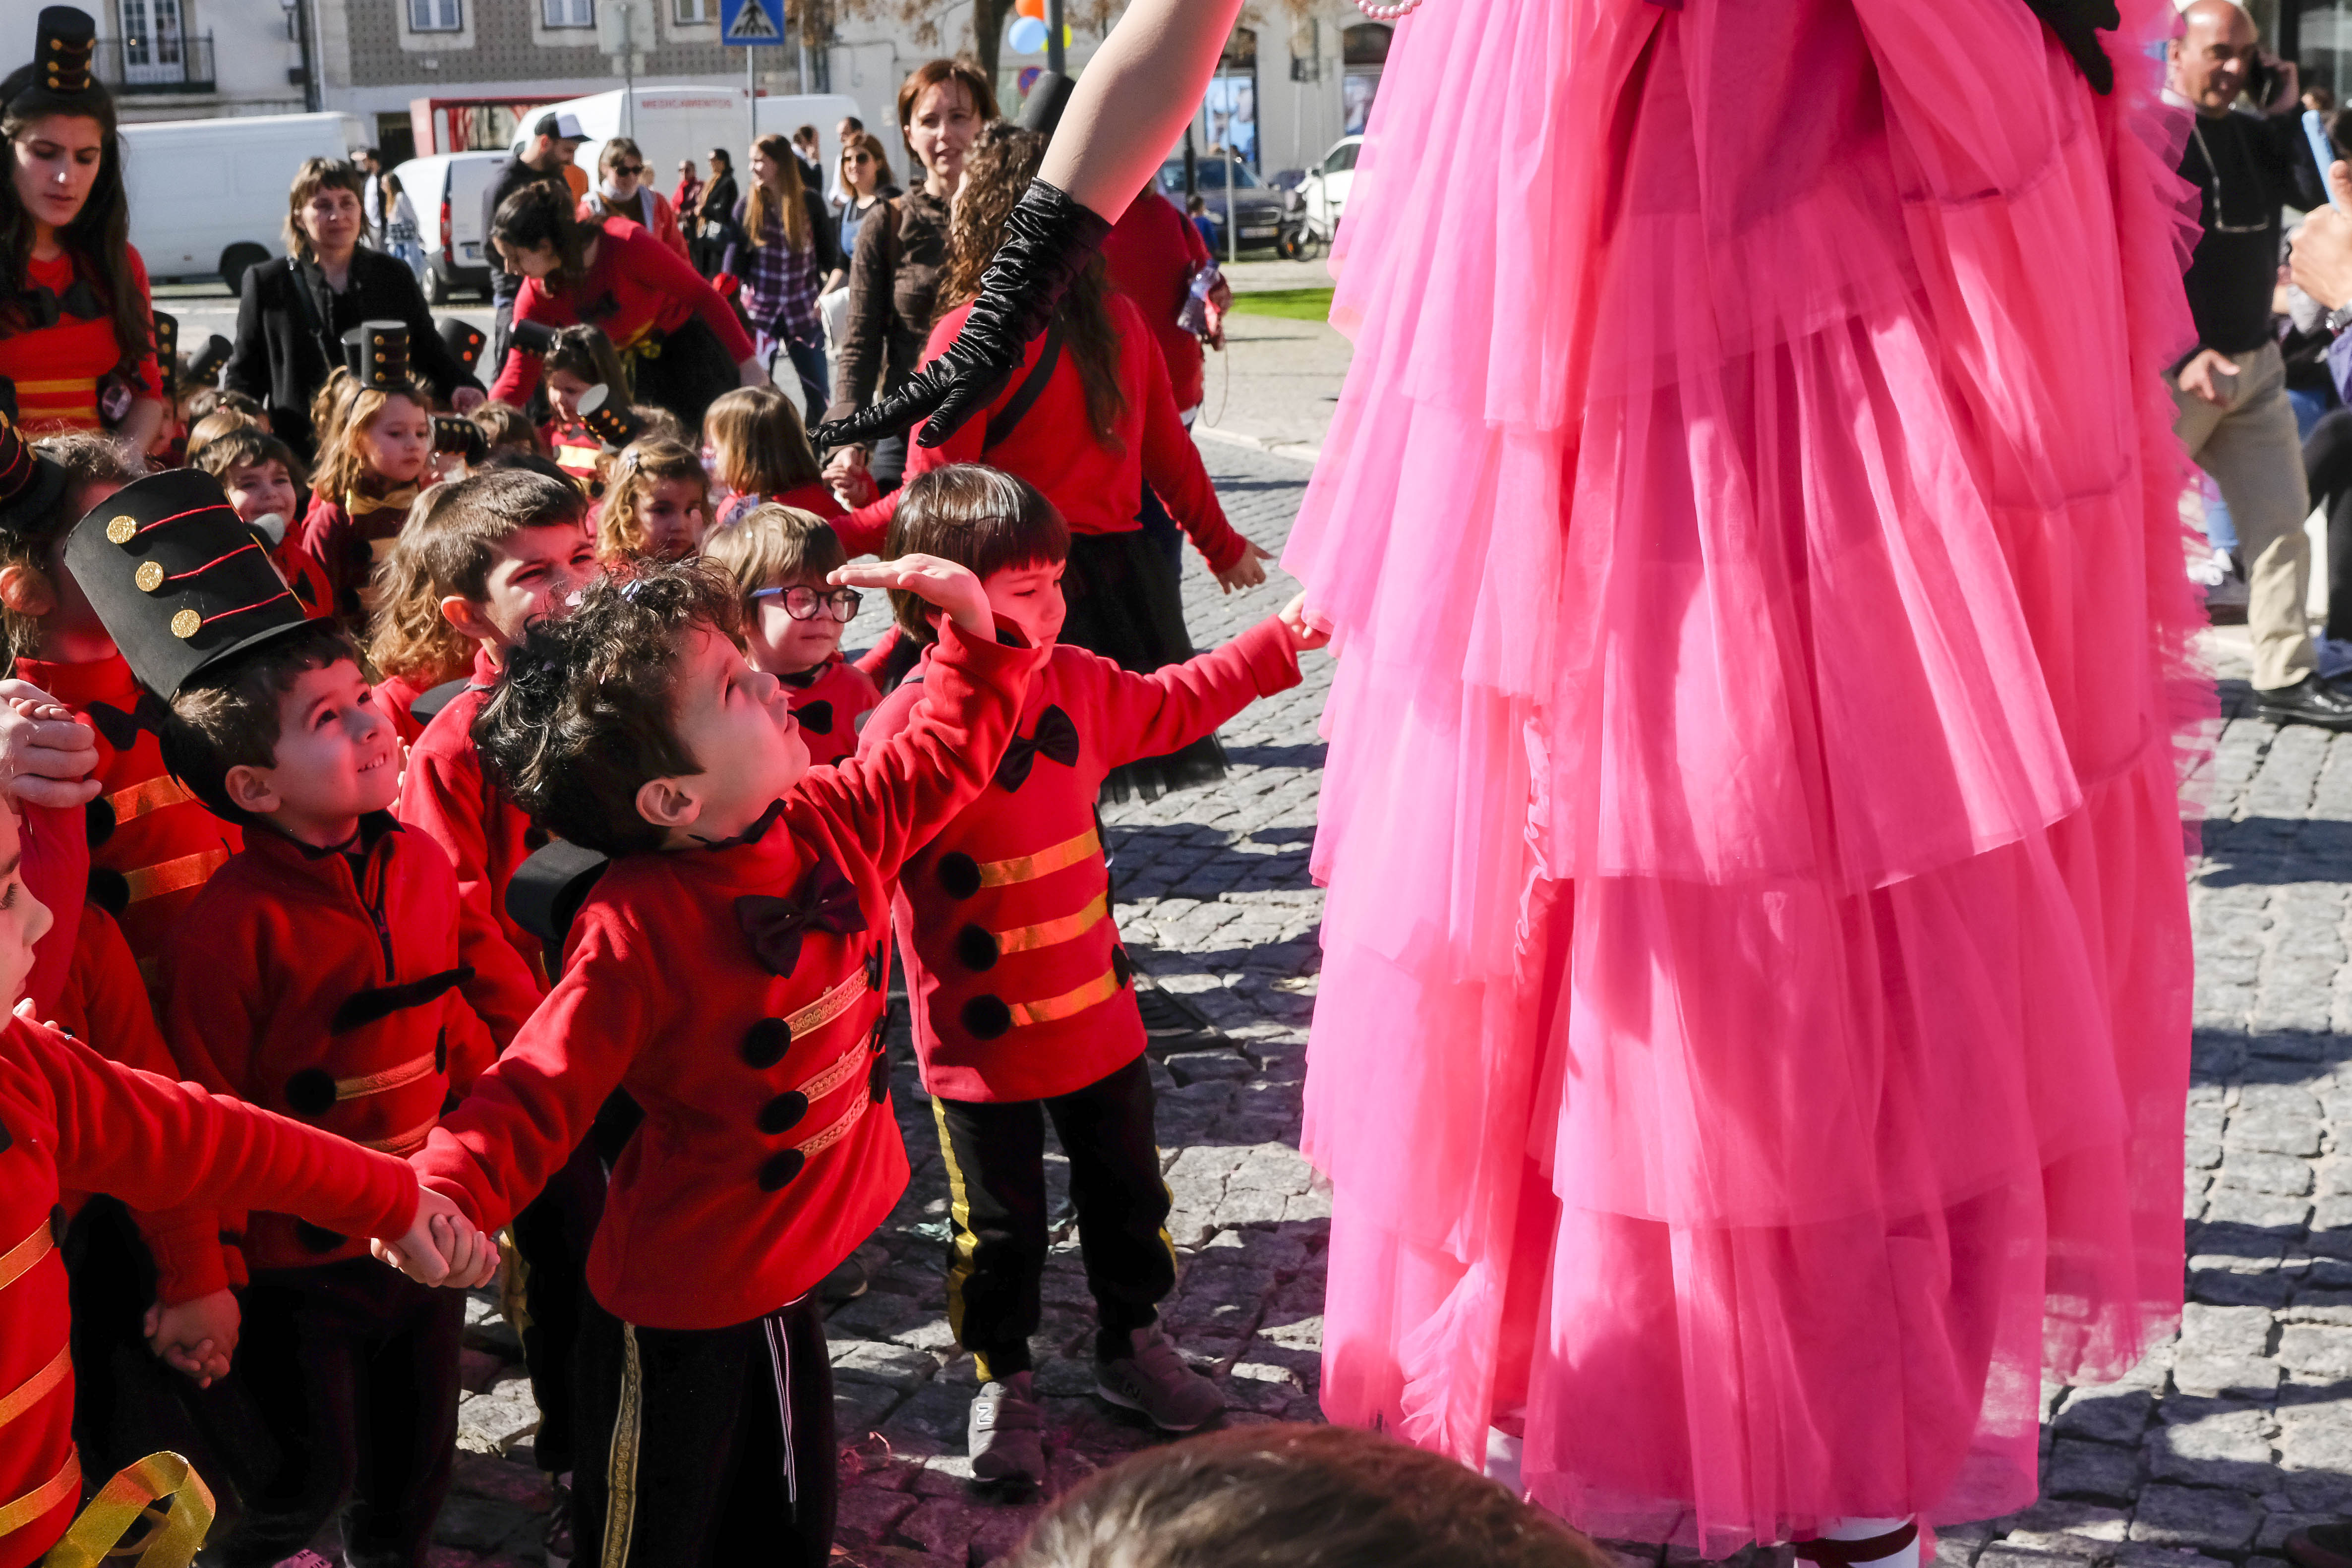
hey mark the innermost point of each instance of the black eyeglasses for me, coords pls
(803, 603)
(629, 168)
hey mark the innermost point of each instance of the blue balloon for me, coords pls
(1027, 35)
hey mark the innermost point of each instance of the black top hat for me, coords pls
(532, 337)
(178, 581)
(376, 353)
(64, 39)
(1041, 111)
(455, 433)
(167, 351)
(608, 418)
(463, 341)
(204, 370)
(29, 482)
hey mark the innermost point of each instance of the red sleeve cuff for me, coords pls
(190, 1261)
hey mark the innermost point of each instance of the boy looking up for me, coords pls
(727, 971)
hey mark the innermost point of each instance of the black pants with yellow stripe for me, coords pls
(704, 1445)
(995, 1154)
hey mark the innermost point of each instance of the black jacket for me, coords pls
(286, 348)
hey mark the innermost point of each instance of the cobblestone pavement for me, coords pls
(2213, 1449)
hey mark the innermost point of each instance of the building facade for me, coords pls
(195, 59)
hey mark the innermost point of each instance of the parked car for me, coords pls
(1257, 209)
(1326, 190)
(446, 189)
(209, 195)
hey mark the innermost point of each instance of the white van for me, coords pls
(446, 189)
(672, 123)
(209, 195)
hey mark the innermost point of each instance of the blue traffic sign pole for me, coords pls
(750, 24)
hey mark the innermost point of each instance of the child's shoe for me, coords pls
(555, 1539)
(1006, 1434)
(1152, 1378)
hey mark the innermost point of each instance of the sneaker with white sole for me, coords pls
(1153, 1379)
(555, 1539)
(1006, 1431)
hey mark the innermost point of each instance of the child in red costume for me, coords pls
(264, 480)
(727, 971)
(1022, 1005)
(374, 450)
(760, 453)
(782, 559)
(162, 844)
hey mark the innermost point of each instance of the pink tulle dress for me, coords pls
(1754, 1021)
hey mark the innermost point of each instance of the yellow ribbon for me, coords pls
(123, 1502)
(1028, 868)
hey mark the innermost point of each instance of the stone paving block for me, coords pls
(2090, 1472)
(2224, 1331)
(495, 1421)
(2202, 1518)
(2318, 1349)
(2106, 1415)
(2242, 1376)
(2211, 1443)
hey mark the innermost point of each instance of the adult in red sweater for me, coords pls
(728, 971)
(1152, 252)
(1024, 1008)
(682, 341)
(69, 1119)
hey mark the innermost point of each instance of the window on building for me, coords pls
(436, 15)
(690, 13)
(567, 13)
(151, 37)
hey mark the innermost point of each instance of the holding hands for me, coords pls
(441, 1246)
(195, 1337)
(47, 755)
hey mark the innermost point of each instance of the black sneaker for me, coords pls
(845, 1283)
(556, 1539)
(2309, 701)
(1167, 1016)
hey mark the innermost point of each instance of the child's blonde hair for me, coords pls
(221, 421)
(643, 464)
(351, 408)
(447, 548)
(773, 545)
(761, 448)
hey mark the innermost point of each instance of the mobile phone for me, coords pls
(2323, 150)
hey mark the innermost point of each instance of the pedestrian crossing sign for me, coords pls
(746, 22)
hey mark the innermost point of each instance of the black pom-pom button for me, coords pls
(8, 1139)
(441, 1051)
(877, 1079)
(1122, 967)
(781, 1167)
(986, 1017)
(958, 875)
(783, 1112)
(58, 1224)
(881, 1034)
(311, 1091)
(317, 1239)
(109, 890)
(975, 948)
(875, 960)
(98, 821)
(765, 1043)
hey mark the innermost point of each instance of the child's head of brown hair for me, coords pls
(447, 549)
(352, 407)
(240, 447)
(585, 353)
(623, 529)
(207, 399)
(760, 444)
(977, 517)
(1268, 1497)
(31, 563)
(586, 714)
(219, 422)
(503, 424)
(774, 547)
(227, 717)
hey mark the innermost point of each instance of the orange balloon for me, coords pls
(1030, 9)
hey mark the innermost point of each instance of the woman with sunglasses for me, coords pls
(622, 192)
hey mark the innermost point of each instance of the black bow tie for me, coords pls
(44, 307)
(824, 898)
(365, 1007)
(1055, 738)
(122, 729)
(814, 718)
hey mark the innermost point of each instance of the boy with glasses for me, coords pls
(781, 558)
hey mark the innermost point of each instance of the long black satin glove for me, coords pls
(1048, 239)
(2078, 24)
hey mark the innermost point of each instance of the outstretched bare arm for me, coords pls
(1139, 91)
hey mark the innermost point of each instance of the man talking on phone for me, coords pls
(2232, 392)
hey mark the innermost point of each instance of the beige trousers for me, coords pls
(2249, 446)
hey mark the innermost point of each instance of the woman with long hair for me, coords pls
(623, 191)
(782, 255)
(1098, 426)
(893, 276)
(76, 328)
(864, 173)
(296, 308)
(680, 343)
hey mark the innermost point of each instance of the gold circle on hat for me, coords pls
(122, 530)
(186, 624)
(149, 577)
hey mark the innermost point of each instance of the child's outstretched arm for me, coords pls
(894, 797)
(1152, 715)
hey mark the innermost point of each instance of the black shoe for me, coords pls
(845, 1283)
(1168, 1016)
(556, 1539)
(2309, 701)
(2321, 1546)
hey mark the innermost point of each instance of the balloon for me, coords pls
(1030, 9)
(1066, 35)
(1027, 35)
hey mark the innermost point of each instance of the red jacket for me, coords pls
(1151, 253)
(105, 1007)
(57, 369)
(829, 701)
(347, 546)
(163, 844)
(816, 496)
(768, 1150)
(57, 872)
(304, 575)
(637, 287)
(486, 836)
(69, 1118)
(1019, 984)
(664, 227)
(294, 987)
(1099, 490)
